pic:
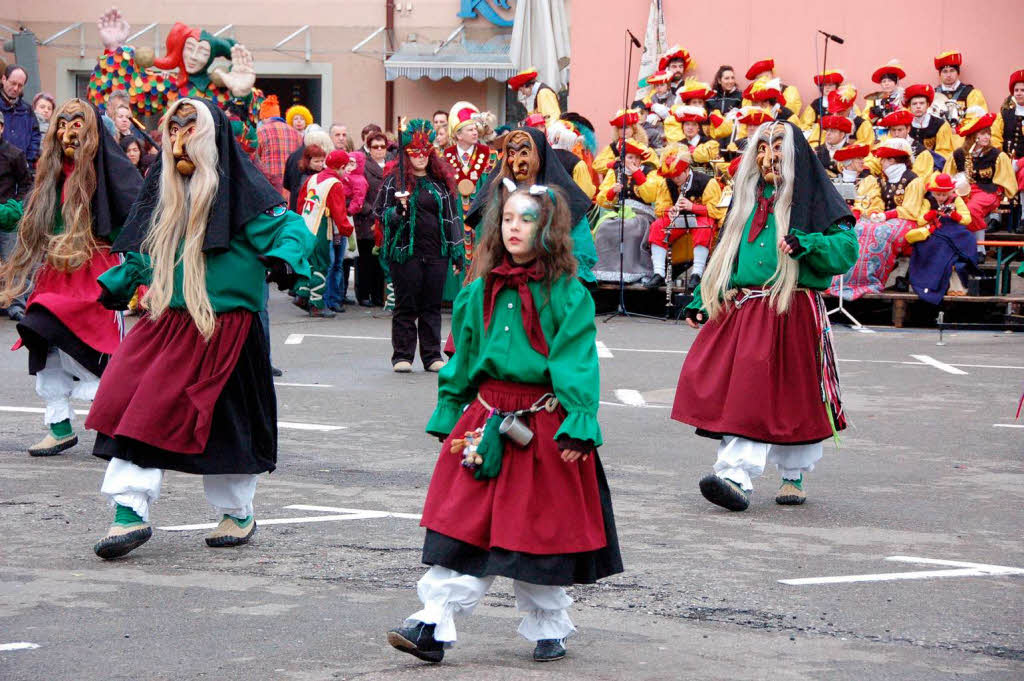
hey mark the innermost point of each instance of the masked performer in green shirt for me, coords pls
(761, 375)
(190, 388)
(518, 490)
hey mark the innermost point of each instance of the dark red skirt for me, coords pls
(62, 312)
(163, 384)
(538, 504)
(759, 375)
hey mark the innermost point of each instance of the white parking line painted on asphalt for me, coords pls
(337, 514)
(863, 329)
(303, 385)
(22, 645)
(290, 425)
(297, 338)
(667, 352)
(942, 366)
(602, 350)
(633, 406)
(963, 569)
(1007, 425)
(631, 398)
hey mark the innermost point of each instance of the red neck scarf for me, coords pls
(510, 275)
(765, 206)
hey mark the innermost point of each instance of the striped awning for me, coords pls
(458, 60)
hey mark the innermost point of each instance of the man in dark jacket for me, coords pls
(15, 183)
(21, 128)
(370, 276)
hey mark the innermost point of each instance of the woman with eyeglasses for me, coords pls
(369, 275)
(423, 240)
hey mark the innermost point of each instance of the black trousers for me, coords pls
(419, 289)
(369, 275)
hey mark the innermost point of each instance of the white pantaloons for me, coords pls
(445, 593)
(137, 488)
(742, 460)
(56, 384)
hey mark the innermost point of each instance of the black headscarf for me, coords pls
(117, 182)
(817, 204)
(551, 173)
(242, 193)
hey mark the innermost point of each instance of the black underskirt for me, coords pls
(243, 438)
(560, 569)
(41, 330)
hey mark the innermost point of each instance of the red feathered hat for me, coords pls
(842, 99)
(851, 151)
(694, 89)
(898, 117)
(759, 67)
(752, 115)
(676, 52)
(689, 114)
(942, 183)
(893, 147)
(534, 121)
(892, 68)
(625, 118)
(1016, 77)
(658, 78)
(675, 162)
(763, 90)
(948, 58)
(919, 90)
(975, 121)
(638, 148)
(837, 123)
(522, 78)
(830, 77)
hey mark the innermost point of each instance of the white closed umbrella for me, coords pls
(540, 38)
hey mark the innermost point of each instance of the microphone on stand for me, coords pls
(833, 38)
(636, 42)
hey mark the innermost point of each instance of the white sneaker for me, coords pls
(402, 367)
(436, 365)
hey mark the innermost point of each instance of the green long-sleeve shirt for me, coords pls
(234, 277)
(827, 254)
(504, 352)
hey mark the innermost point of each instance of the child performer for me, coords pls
(761, 375)
(190, 388)
(537, 511)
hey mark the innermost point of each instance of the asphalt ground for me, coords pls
(931, 469)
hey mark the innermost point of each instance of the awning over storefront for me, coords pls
(457, 60)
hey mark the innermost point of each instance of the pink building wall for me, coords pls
(739, 32)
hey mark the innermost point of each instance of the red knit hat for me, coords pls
(941, 183)
(841, 123)
(893, 68)
(1016, 77)
(949, 58)
(830, 77)
(337, 159)
(919, 90)
(522, 78)
(898, 117)
(759, 67)
(676, 52)
(625, 118)
(851, 151)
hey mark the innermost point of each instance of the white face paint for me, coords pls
(519, 226)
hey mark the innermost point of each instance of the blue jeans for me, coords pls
(334, 295)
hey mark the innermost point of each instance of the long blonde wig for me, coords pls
(179, 222)
(36, 243)
(746, 190)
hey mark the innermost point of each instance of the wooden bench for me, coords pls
(900, 301)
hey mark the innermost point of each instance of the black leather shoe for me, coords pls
(549, 649)
(724, 493)
(275, 372)
(418, 641)
(653, 281)
(901, 284)
(365, 303)
(693, 282)
(338, 308)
